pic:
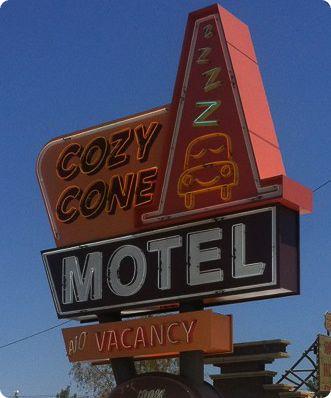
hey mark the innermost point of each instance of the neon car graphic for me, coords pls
(208, 166)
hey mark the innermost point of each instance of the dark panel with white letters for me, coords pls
(245, 256)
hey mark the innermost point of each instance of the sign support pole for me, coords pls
(123, 368)
(191, 364)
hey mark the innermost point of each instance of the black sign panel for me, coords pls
(250, 255)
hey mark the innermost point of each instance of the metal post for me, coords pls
(123, 368)
(191, 364)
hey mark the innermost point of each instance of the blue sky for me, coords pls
(67, 65)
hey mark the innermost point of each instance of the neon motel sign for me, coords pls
(183, 201)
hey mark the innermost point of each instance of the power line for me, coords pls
(34, 334)
(322, 185)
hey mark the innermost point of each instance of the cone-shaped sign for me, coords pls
(224, 147)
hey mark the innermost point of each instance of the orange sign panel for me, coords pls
(96, 181)
(151, 337)
(212, 151)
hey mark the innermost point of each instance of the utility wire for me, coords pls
(322, 185)
(34, 334)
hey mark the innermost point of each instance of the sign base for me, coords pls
(162, 385)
